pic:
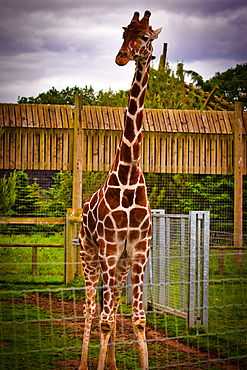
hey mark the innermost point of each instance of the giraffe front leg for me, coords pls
(138, 313)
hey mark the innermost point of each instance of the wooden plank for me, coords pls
(208, 153)
(189, 121)
(71, 149)
(64, 121)
(89, 150)
(65, 149)
(18, 115)
(158, 152)
(2, 140)
(205, 122)
(111, 119)
(107, 150)
(167, 120)
(202, 162)
(178, 120)
(194, 121)
(99, 118)
(32, 220)
(161, 120)
(152, 152)
(212, 129)
(6, 115)
(70, 117)
(29, 115)
(197, 154)
(12, 151)
(47, 152)
(6, 148)
(117, 118)
(1, 115)
(191, 154)
(174, 153)
(156, 120)
(213, 150)
(53, 109)
(30, 149)
(145, 143)
(169, 153)
(37, 149)
(227, 122)
(180, 154)
(216, 122)
(24, 149)
(244, 123)
(172, 120)
(35, 115)
(12, 122)
(145, 121)
(101, 150)
(244, 144)
(232, 122)
(95, 151)
(47, 116)
(218, 155)
(59, 149)
(121, 116)
(105, 118)
(41, 115)
(199, 122)
(163, 153)
(186, 154)
(222, 123)
(42, 146)
(53, 150)
(224, 156)
(94, 117)
(150, 120)
(23, 115)
(183, 121)
(230, 155)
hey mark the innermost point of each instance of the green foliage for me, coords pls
(232, 83)
(91, 182)
(7, 194)
(59, 197)
(27, 195)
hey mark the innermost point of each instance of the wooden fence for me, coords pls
(41, 137)
(59, 137)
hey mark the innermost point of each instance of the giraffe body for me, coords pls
(116, 221)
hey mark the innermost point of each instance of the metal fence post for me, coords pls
(192, 269)
(205, 267)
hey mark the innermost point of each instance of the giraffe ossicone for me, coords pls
(116, 221)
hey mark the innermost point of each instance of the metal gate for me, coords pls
(177, 276)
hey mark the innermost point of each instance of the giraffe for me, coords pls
(116, 221)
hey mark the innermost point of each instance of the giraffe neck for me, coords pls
(132, 133)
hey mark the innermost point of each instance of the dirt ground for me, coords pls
(125, 330)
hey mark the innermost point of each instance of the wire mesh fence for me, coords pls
(42, 318)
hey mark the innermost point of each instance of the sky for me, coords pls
(60, 43)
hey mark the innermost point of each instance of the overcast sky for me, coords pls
(60, 43)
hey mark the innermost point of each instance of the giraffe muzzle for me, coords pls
(122, 58)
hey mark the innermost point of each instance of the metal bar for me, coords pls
(205, 268)
(155, 286)
(200, 216)
(167, 259)
(128, 288)
(162, 259)
(182, 263)
(192, 270)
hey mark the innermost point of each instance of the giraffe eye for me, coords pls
(144, 38)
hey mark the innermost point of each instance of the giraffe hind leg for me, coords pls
(91, 272)
(121, 275)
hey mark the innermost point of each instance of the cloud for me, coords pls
(62, 43)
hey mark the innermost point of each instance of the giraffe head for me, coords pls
(138, 37)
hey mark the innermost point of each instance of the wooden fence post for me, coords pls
(77, 163)
(238, 184)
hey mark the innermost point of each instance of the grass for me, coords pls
(31, 338)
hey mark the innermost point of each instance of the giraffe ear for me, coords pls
(156, 33)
